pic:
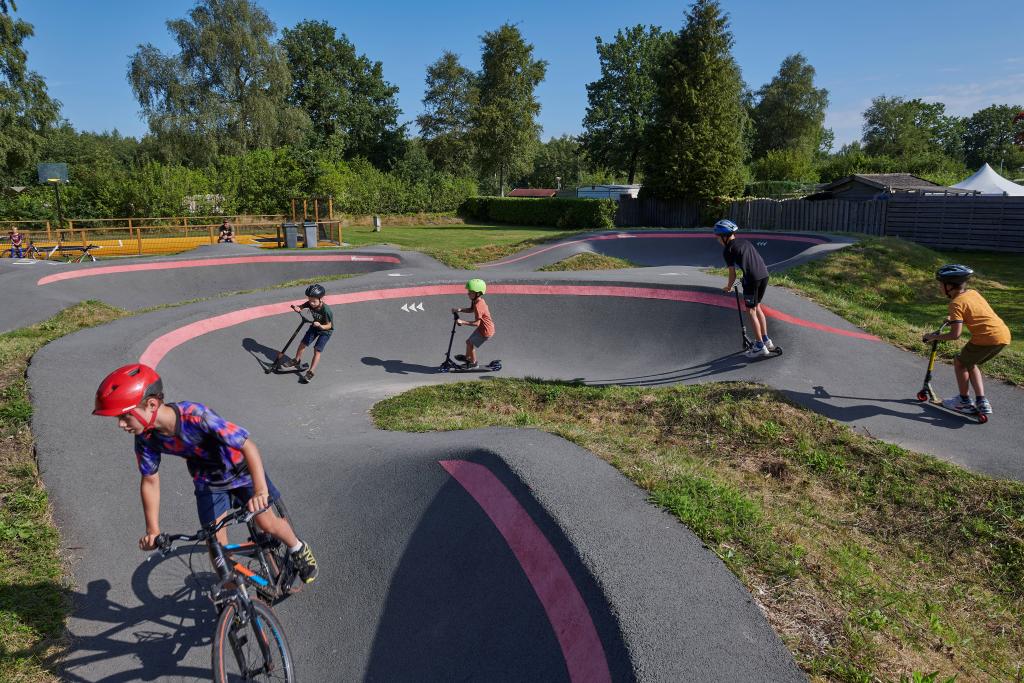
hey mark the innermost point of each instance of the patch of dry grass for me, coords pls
(590, 261)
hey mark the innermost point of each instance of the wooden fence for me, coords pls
(636, 213)
(798, 215)
(943, 222)
(989, 223)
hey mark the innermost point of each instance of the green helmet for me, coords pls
(477, 285)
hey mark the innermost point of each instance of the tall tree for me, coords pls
(224, 92)
(344, 93)
(990, 137)
(560, 159)
(505, 130)
(620, 103)
(906, 129)
(26, 111)
(790, 111)
(447, 109)
(695, 144)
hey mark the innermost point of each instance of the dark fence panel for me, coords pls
(636, 213)
(943, 222)
(992, 223)
(798, 215)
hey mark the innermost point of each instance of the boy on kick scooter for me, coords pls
(319, 332)
(475, 288)
(755, 283)
(989, 336)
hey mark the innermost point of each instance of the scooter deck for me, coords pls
(777, 351)
(977, 418)
(493, 366)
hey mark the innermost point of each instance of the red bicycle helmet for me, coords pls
(125, 388)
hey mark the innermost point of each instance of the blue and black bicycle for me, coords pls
(248, 642)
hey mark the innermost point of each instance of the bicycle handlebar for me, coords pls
(165, 541)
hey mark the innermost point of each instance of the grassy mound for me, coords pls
(871, 562)
(887, 286)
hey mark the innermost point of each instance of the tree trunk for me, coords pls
(632, 165)
(501, 180)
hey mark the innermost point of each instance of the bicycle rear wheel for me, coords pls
(250, 650)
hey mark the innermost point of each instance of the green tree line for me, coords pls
(253, 116)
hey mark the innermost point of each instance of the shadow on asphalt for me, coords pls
(460, 606)
(718, 366)
(150, 641)
(400, 367)
(818, 402)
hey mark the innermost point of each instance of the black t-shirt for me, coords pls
(742, 254)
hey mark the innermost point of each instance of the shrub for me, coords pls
(558, 213)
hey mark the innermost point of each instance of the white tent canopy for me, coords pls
(987, 181)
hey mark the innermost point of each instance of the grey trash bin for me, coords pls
(291, 235)
(310, 230)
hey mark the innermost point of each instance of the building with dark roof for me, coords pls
(862, 186)
(532, 192)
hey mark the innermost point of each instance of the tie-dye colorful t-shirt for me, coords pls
(211, 446)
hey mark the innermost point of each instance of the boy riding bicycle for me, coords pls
(225, 464)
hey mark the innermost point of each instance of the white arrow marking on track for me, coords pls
(405, 307)
(420, 306)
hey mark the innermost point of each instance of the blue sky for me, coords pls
(967, 55)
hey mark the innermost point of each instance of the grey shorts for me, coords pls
(477, 339)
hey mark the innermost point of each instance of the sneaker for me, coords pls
(460, 357)
(469, 366)
(309, 375)
(757, 352)
(769, 344)
(290, 363)
(983, 406)
(958, 404)
(305, 563)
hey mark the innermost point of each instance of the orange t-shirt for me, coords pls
(986, 328)
(483, 316)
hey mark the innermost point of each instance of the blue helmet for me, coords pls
(953, 273)
(725, 227)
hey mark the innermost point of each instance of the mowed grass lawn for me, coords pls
(458, 246)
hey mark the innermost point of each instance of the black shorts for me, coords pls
(753, 292)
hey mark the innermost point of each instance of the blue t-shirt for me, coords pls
(211, 446)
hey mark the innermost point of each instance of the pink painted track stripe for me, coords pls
(165, 343)
(581, 647)
(656, 235)
(202, 263)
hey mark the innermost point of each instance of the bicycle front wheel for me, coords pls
(253, 649)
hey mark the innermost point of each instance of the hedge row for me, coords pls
(558, 213)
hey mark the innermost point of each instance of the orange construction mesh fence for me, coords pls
(88, 239)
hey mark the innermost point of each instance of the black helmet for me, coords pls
(316, 291)
(953, 274)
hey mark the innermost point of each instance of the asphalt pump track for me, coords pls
(496, 554)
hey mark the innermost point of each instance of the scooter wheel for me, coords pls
(982, 418)
(922, 396)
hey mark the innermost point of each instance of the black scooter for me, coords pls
(747, 342)
(927, 394)
(276, 365)
(449, 365)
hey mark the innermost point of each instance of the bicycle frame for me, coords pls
(231, 588)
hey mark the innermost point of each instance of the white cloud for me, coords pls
(966, 98)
